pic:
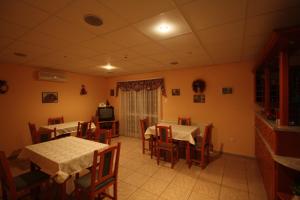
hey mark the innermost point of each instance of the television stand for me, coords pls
(114, 125)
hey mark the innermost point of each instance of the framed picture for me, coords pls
(227, 90)
(112, 92)
(175, 92)
(199, 98)
(49, 97)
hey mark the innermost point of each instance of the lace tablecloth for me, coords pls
(68, 127)
(62, 157)
(179, 132)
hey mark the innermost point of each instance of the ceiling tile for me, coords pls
(256, 7)
(181, 2)
(29, 49)
(124, 55)
(166, 58)
(21, 13)
(145, 61)
(184, 43)
(257, 41)
(61, 29)
(4, 42)
(148, 49)
(49, 6)
(222, 33)
(251, 52)
(126, 37)
(136, 10)
(264, 24)
(227, 59)
(44, 40)
(203, 14)
(79, 51)
(11, 30)
(100, 45)
(78, 9)
(194, 58)
(173, 19)
(7, 56)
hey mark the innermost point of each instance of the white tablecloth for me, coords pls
(68, 127)
(62, 157)
(179, 132)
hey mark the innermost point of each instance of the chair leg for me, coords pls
(77, 194)
(158, 155)
(143, 144)
(115, 191)
(4, 194)
(172, 158)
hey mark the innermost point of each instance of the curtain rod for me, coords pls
(141, 79)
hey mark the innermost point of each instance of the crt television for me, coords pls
(106, 113)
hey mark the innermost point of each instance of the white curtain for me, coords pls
(138, 105)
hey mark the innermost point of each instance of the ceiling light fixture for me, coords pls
(108, 67)
(93, 20)
(164, 28)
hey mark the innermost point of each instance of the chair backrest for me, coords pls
(56, 120)
(144, 125)
(6, 177)
(84, 129)
(103, 135)
(206, 137)
(184, 121)
(105, 165)
(33, 132)
(164, 134)
(45, 134)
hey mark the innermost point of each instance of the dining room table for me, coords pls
(62, 158)
(67, 128)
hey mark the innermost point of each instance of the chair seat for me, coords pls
(167, 145)
(30, 178)
(85, 181)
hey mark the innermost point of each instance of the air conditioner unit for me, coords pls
(52, 76)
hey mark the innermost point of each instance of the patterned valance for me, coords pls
(151, 84)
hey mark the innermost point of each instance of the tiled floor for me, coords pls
(226, 178)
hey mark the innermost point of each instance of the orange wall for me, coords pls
(23, 102)
(231, 115)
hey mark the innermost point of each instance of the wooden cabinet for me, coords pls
(114, 125)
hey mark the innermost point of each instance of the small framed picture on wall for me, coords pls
(227, 90)
(199, 98)
(112, 92)
(49, 97)
(175, 92)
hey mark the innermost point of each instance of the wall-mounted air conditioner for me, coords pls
(52, 76)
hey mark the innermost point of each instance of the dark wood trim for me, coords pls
(267, 89)
(283, 88)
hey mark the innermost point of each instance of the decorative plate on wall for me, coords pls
(3, 87)
(199, 86)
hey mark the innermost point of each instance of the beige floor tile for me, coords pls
(124, 172)
(147, 169)
(136, 179)
(165, 174)
(199, 196)
(258, 197)
(132, 164)
(237, 183)
(233, 194)
(184, 180)
(176, 192)
(207, 189)
(125, 190)
(155, 186)
(143, 195)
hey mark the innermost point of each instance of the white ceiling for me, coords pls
(53, 34)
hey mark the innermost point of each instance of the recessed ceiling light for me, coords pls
(164, 28)
(20, 54)
(93, 20)
(108, 67)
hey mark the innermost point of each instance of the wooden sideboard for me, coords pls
(114, 125)
(278, 156)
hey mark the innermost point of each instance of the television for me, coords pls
(106, 113)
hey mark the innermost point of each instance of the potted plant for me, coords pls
(296, 190)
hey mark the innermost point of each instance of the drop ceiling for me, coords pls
(53, 34)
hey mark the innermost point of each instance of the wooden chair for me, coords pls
(84, 130)
(199, 153)
(184, 121)
(41, 135)
(14, 188)
(104, 173)
(102, 135)
(144, 125)
(165, 143)
(55, 120)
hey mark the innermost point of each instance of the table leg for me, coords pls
(187, 153)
